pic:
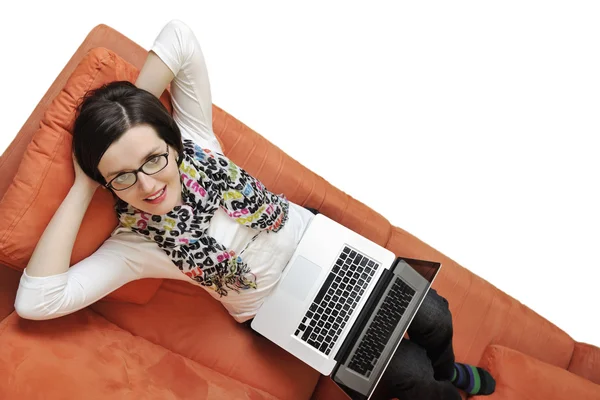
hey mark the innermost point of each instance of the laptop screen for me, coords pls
(427, 269)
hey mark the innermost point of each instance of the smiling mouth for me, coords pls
(156, 195)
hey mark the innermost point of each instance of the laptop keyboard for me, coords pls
(334, 304)
(379, 332)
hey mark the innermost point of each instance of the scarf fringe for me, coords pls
(239, 278)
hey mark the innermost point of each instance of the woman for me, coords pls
(187, 212)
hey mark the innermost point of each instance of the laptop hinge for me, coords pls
(358, 326)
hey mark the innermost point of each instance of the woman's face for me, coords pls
(137, 146)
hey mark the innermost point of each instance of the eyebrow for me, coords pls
(150, 154)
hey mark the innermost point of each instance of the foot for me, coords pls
(473, 380)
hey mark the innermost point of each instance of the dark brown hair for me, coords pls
(104, 114)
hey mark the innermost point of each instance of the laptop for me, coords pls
(343, 304)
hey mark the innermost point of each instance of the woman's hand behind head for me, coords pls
(81, 179)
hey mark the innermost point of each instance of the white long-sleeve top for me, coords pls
(126, 256)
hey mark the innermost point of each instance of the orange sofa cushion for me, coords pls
(521, 377)
(83, 356)
(188, 321)
(46, 174)
(585, 362)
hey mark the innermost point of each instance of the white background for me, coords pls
(487, 114)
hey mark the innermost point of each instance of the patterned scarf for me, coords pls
(209, 180)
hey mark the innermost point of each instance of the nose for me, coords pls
(146, 183)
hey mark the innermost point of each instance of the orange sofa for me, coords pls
(135, 344)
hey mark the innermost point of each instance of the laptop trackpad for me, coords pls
(301, 278)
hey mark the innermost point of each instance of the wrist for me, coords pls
(84, 190)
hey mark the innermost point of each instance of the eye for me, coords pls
(154, 160)
(122, 178)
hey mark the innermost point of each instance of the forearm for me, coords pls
(53, 252)
(154, 76)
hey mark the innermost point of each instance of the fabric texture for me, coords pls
(586, 362)
(521, 377)
(84, 356)
(209, 180)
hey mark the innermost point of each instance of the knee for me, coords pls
(434, 315)
(444, 316)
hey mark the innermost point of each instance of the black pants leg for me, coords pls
(422, 366)
(432, 329)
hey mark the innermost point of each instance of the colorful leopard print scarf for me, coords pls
(209, 180)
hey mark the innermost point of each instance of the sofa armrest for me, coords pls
(585, 362)
(519, 376)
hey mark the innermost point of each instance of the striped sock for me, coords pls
(473, 380)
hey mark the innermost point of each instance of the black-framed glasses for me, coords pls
(154, 165)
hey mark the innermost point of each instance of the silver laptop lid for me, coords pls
(425, 272)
